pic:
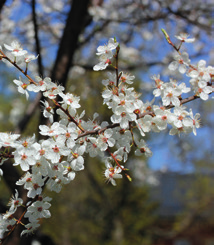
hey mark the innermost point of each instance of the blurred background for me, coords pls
(170, 200)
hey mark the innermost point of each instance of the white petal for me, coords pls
(173, 66)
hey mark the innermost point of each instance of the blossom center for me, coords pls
(75, 155)
(104, 139)
(200, 90)
(67, 135)
(35, 186)
(42, 152)
(170, 94)
(56, 149)
(164, 117)
(39, 209)
(142, 150)
(24, 157)
(25, 144)
(41, 83)
(123, 114)
(122, 102)
(137, 111)
(16, 203)
(24, 86)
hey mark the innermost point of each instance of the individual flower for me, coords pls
(122, 137)
(201, 72)
(15, 202)
(104, 62)
(41, 84)
(7, 222)
(183, 88)
(181, 62)
(204, 90)
(22, 87)
(126, 78)
(105, 54)
(30, 227)
(30, 57)
(111, 81)
(54, 130)
(92, 124)
(195, 121)
(92, 147)
(48, 111)
(37, 210)
(171, 96)
(159, 85)
(34, 185)
(40, 148)
(76, 159)
(107, 49)
(68, 170)
(183, 37)
(71, 134)
(57, 171)
(8, 139)
(111, 173)
(122, 103)
(52, 90)
(54, 149)
(108, 95)
(174, 130)
(15, 49)
(24, 157)
(71, 100)
(25, 180)
(143, 149)
(162, 117)
(123, 152)
(181, 119)
(41, 167)
(123, 119)
(105, 140)
(146, 124)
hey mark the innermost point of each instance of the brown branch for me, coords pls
(3, 56)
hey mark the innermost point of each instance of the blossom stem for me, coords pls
(19, 68)
(170, 42)
(123, 169)
(69, 116)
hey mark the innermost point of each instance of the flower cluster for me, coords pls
(56, 160)
(105, 54)
(20, 55)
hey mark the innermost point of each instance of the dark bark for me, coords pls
(11, 175)
(2, 3)
(78, 18)
(36, 37)
(76, 21)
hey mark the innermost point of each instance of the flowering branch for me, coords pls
(55, 161)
